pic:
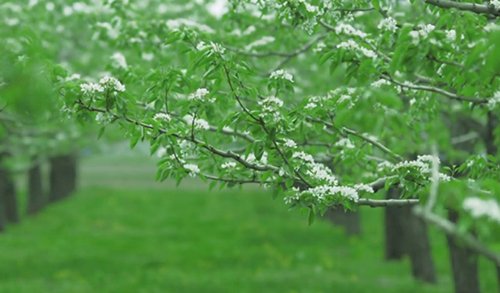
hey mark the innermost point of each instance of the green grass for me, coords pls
(148, 239)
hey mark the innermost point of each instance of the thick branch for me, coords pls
(375, 203)
(465, 6)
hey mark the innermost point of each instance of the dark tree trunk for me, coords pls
(406, 234)
(36, 199)
(498, 277)
(463, 264)
(63, 176)
(9, 199)
(489, 139)
(419, 248)
(394, 242)
(348, 220)
(2, 208)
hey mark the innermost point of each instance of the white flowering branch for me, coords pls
(197, 142)
(466, 6)
(261, 122)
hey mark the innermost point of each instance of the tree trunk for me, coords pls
(463, 264)
(419, 248)
(498, 277)
(394, 242)
(348, 220)
(36, 199)
(9, 199)
(63, 176)
(2, 208)
(406, 234)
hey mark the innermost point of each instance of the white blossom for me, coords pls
(380, 82)
(193, 169)
(50, 6)
(90, 88)
(112, 32)
(353, 46)
(11, 21)
(388, 24)
(426, 29)
(322, 191)
(478, 207)
(228, 165)
(289, 143)
(74, 76)
(271, 103)
(32, 3)
(281, 74)
(147, 56)
(260, 42)
(494, 101)
(162, 117)
(161, 152)
(495, 3)
(319, 46)
(303, 156)
(217, 8)
(198, 122)
(321, 172)
(198, 95)
(345, 28)
(311, 105)
(112, 83)
(345, 143)
(119, 60)
(364, 187)
(176, 24)
(451, 35)
(423, 32)
(217, 48)
(252, 159)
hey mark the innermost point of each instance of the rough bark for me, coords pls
(63, 176)
(463, 264)
(348, 220)
(36, 199)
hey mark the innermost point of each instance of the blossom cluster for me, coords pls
(281, 74)
(105, 83)
(478, 208)
(198, 123)
(353, 46)
(388, 24)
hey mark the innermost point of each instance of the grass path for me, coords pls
(112, 239)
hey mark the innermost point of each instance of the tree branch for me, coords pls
(375, 203)
(465, 6)
(436, 90)
(452, 230)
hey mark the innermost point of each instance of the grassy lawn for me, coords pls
(143, 238)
